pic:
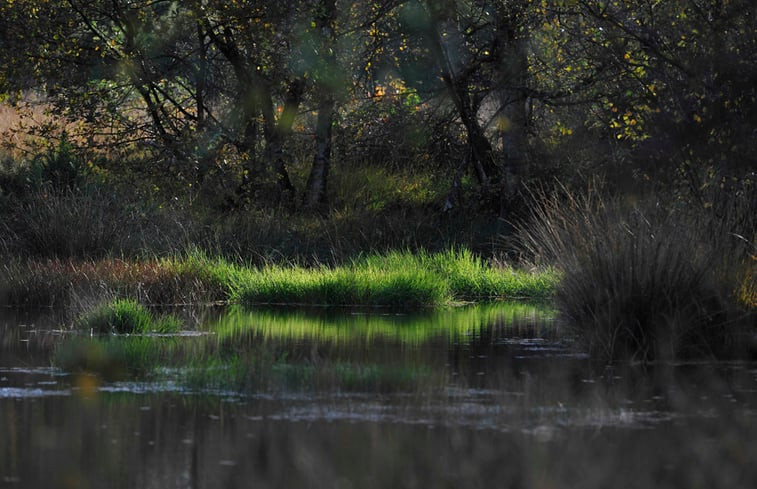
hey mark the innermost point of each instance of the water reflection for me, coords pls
(332, 325)
(497, 394)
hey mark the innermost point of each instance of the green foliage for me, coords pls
(60, 167)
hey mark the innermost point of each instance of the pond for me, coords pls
(461, 397)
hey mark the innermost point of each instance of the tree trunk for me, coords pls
(513, 117)
(315, 197)
(454, 196)
(276, 134)
(315, 194)
(483, 161)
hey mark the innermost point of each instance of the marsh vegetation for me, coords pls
(278, 243)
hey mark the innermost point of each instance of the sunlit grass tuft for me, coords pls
(126, 316)
(394, 279)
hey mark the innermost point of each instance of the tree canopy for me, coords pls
(228, 96)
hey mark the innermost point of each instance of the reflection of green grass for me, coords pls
(325, 325)
(260, 371)
(233, 357)
(119, 357)
(203, 364)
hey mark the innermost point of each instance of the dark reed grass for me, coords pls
(642, 281)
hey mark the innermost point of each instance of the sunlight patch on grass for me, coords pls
(125, 316)
(393, 279)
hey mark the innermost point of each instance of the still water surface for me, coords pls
(505, 399)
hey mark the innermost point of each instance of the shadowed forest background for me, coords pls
(324, 128)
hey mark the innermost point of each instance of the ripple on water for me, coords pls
(29, 392)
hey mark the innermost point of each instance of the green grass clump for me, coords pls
(126, 316)
(363, 286)
(392, 279)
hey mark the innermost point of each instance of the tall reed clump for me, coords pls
(643, 281)
(72, 222)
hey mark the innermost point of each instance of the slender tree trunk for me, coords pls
(202, 75)
(513, 118)
(250, 106)
(482, 153)
(315, 193)
(276, 133)
(481, 149)
(454, 197)
(315, 197)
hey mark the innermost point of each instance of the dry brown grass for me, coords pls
(71, 282)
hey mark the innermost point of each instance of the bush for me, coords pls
(642, 281)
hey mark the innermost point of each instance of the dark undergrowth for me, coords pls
(650, 281)
(54, 207)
